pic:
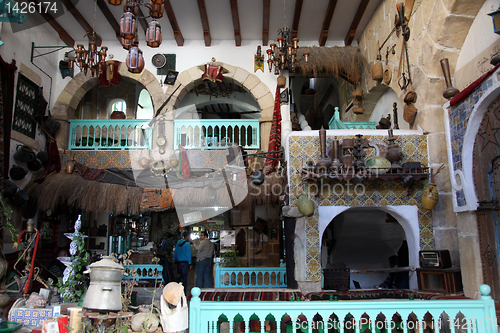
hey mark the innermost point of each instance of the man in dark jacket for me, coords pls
(182, 257)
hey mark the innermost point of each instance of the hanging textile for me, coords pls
(7, 75)
(110, 75)
(275, 137)
(184, 171)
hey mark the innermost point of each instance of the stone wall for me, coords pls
(438, 30)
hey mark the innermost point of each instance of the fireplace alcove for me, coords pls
(371, 253)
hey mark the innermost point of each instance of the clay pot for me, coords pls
(20, 198)
(257, 177)
(70, 166)
(24, 154)
(8, 189)
(17, 172)
(430, 197)
(35, 164)
(118, 115)
(305, 205)
(43, 156)
(144, 162)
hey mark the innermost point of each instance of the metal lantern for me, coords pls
(157, 1)
(153, 34)
(496, 20)
(156, 9)
(128, 43)
(128, 25)
(135, 60)
(115, 2)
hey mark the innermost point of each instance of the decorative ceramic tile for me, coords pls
(377, 192)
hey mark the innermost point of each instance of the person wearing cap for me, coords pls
(182, 257)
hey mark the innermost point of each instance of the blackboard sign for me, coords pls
(171, 77)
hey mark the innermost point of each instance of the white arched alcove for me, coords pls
(407, 217)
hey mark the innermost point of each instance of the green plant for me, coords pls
(6, 220)
(230, 257)
(74, 289)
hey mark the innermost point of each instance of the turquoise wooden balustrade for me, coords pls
(250, 277)
(100, 134)
(144, 272)
(336, 123)
(395, 316)
(216, 133)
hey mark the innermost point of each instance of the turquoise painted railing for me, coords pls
(115, 134)
(336, 123)
(149, 272)
(216, 133)
(250, 277)
(406, 316)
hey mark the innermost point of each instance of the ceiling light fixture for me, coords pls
(284, 55)
(92, 58)
(128, 30)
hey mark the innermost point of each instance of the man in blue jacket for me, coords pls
(182, 257)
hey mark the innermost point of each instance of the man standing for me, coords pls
(205, 250)
(182, 257)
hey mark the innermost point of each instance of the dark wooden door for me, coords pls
(486, 165)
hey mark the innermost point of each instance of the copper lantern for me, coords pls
(135, 60)
(128, 25)
(153, 34)
(115, 2)
(156, 9)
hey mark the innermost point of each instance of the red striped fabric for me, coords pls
(275, 138)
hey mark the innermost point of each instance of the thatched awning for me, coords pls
(343, 61)
(62, 189)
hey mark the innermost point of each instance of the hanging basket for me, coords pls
(410, 97)
(377, 71)
(387, 76)
(281, 81)
(409, 113)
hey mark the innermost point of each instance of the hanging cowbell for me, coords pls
(305, 205)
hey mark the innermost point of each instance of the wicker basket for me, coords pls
(409, 113)
(337, 279)
(410, 97)
(377, 71)
(387, 76)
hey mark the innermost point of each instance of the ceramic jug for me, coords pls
(305, 205)
(430, 197)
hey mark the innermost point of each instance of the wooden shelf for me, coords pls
(363, 173)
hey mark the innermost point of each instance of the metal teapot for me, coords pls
(104, 293)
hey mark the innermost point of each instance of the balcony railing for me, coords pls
(114, 134)
(217, 133)
(250, 277)
(405, 316)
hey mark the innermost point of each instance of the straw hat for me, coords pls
(173, 292)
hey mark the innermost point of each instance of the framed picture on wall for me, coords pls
(241, 217)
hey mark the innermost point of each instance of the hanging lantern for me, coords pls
(128, 25)
(115, 2)
(135, 60)
(156, 9)
(153, 34)
(157, 1)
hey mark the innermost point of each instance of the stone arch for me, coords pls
(407, 216)
(191, 77)
(71, 95)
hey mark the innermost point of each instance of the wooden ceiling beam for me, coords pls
(266, 13)
(63, 34)
(204, 22)
(236, 22)
(355, 22)
(326, 22)
(81, 20)
(142, 20)
(173, 22)
(296, 17)
(111, 19)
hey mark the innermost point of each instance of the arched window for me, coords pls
(144, 106)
